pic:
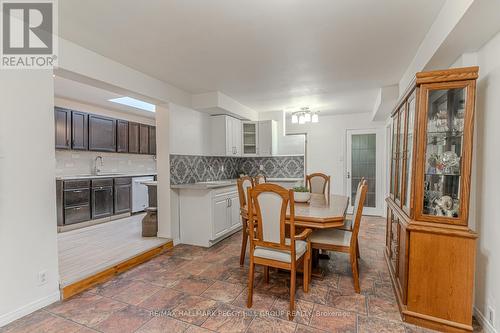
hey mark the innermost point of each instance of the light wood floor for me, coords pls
(90, 250)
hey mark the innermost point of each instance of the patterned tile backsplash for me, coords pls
(186, 169)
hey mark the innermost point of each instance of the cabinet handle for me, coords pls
(230, 202)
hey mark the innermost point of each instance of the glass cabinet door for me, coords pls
(443, 154)
(394, 155)
(401, 137)
(410, 136)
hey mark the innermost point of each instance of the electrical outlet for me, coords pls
(261, 167)
(491, 316)
(42, 278)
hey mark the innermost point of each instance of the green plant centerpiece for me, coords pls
(301, 194)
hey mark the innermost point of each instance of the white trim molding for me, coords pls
(29, 308)
(484, 322)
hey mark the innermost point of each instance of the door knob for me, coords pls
(348, 175)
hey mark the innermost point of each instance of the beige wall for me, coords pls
(28, 230)
(485, 215)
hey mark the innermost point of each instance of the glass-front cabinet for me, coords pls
(447, 149)
(408, 154)
(430, 249)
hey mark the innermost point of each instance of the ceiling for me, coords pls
(269, 55)
(88, 94)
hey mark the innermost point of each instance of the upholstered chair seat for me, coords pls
(335, 237)
(281, 255)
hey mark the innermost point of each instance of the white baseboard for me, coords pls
(177, 241)
(29, 308)
(484, 322)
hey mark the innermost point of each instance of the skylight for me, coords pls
(135, 103)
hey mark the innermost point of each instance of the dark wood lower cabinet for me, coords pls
(123, 195)
(102, 198)
(81, 200)
(76, 201)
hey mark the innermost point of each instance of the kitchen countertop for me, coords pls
(106, 175)
(224, 183)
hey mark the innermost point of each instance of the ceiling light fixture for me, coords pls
(135, 103)
(305, 115)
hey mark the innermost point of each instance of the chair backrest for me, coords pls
(269, 202)
(244, 183)
(357, 213)
(318, 183)
(260, 179)
(360, 183)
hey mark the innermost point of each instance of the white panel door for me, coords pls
(229, 136)
(236, 136)
(235, 211)
(364, 159)
(265, 138)
(221, 220)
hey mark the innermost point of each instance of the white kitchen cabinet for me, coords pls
(267, 138)
(250, 138)
(235, 212)
(208, 215)
(225, 136)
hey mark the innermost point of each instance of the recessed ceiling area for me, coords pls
(268, 55)
(84, 93)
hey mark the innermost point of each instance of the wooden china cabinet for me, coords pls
(430, 250)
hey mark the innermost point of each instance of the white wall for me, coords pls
(287, 144)
(326, 146)
(28, 230)
(448, 17)
(189, 131)
(485, 215)
(165, 224)
(74, 162)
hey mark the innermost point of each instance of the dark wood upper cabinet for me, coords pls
(122, 136)
(152, 140)
(62, 119)
(133, 138)
(83, 131)
(79, 131)
(143, 139)
(102, 133)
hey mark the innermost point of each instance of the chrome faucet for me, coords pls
(97, 170)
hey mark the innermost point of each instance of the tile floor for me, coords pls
(192, 289)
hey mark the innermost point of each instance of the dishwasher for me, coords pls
(140, 195)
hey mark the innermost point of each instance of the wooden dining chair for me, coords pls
(268, 244)
(260, 179)
(318, 183)
(244, 183)
(348, 221)
(334, 239)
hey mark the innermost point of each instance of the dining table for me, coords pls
(320, 212)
